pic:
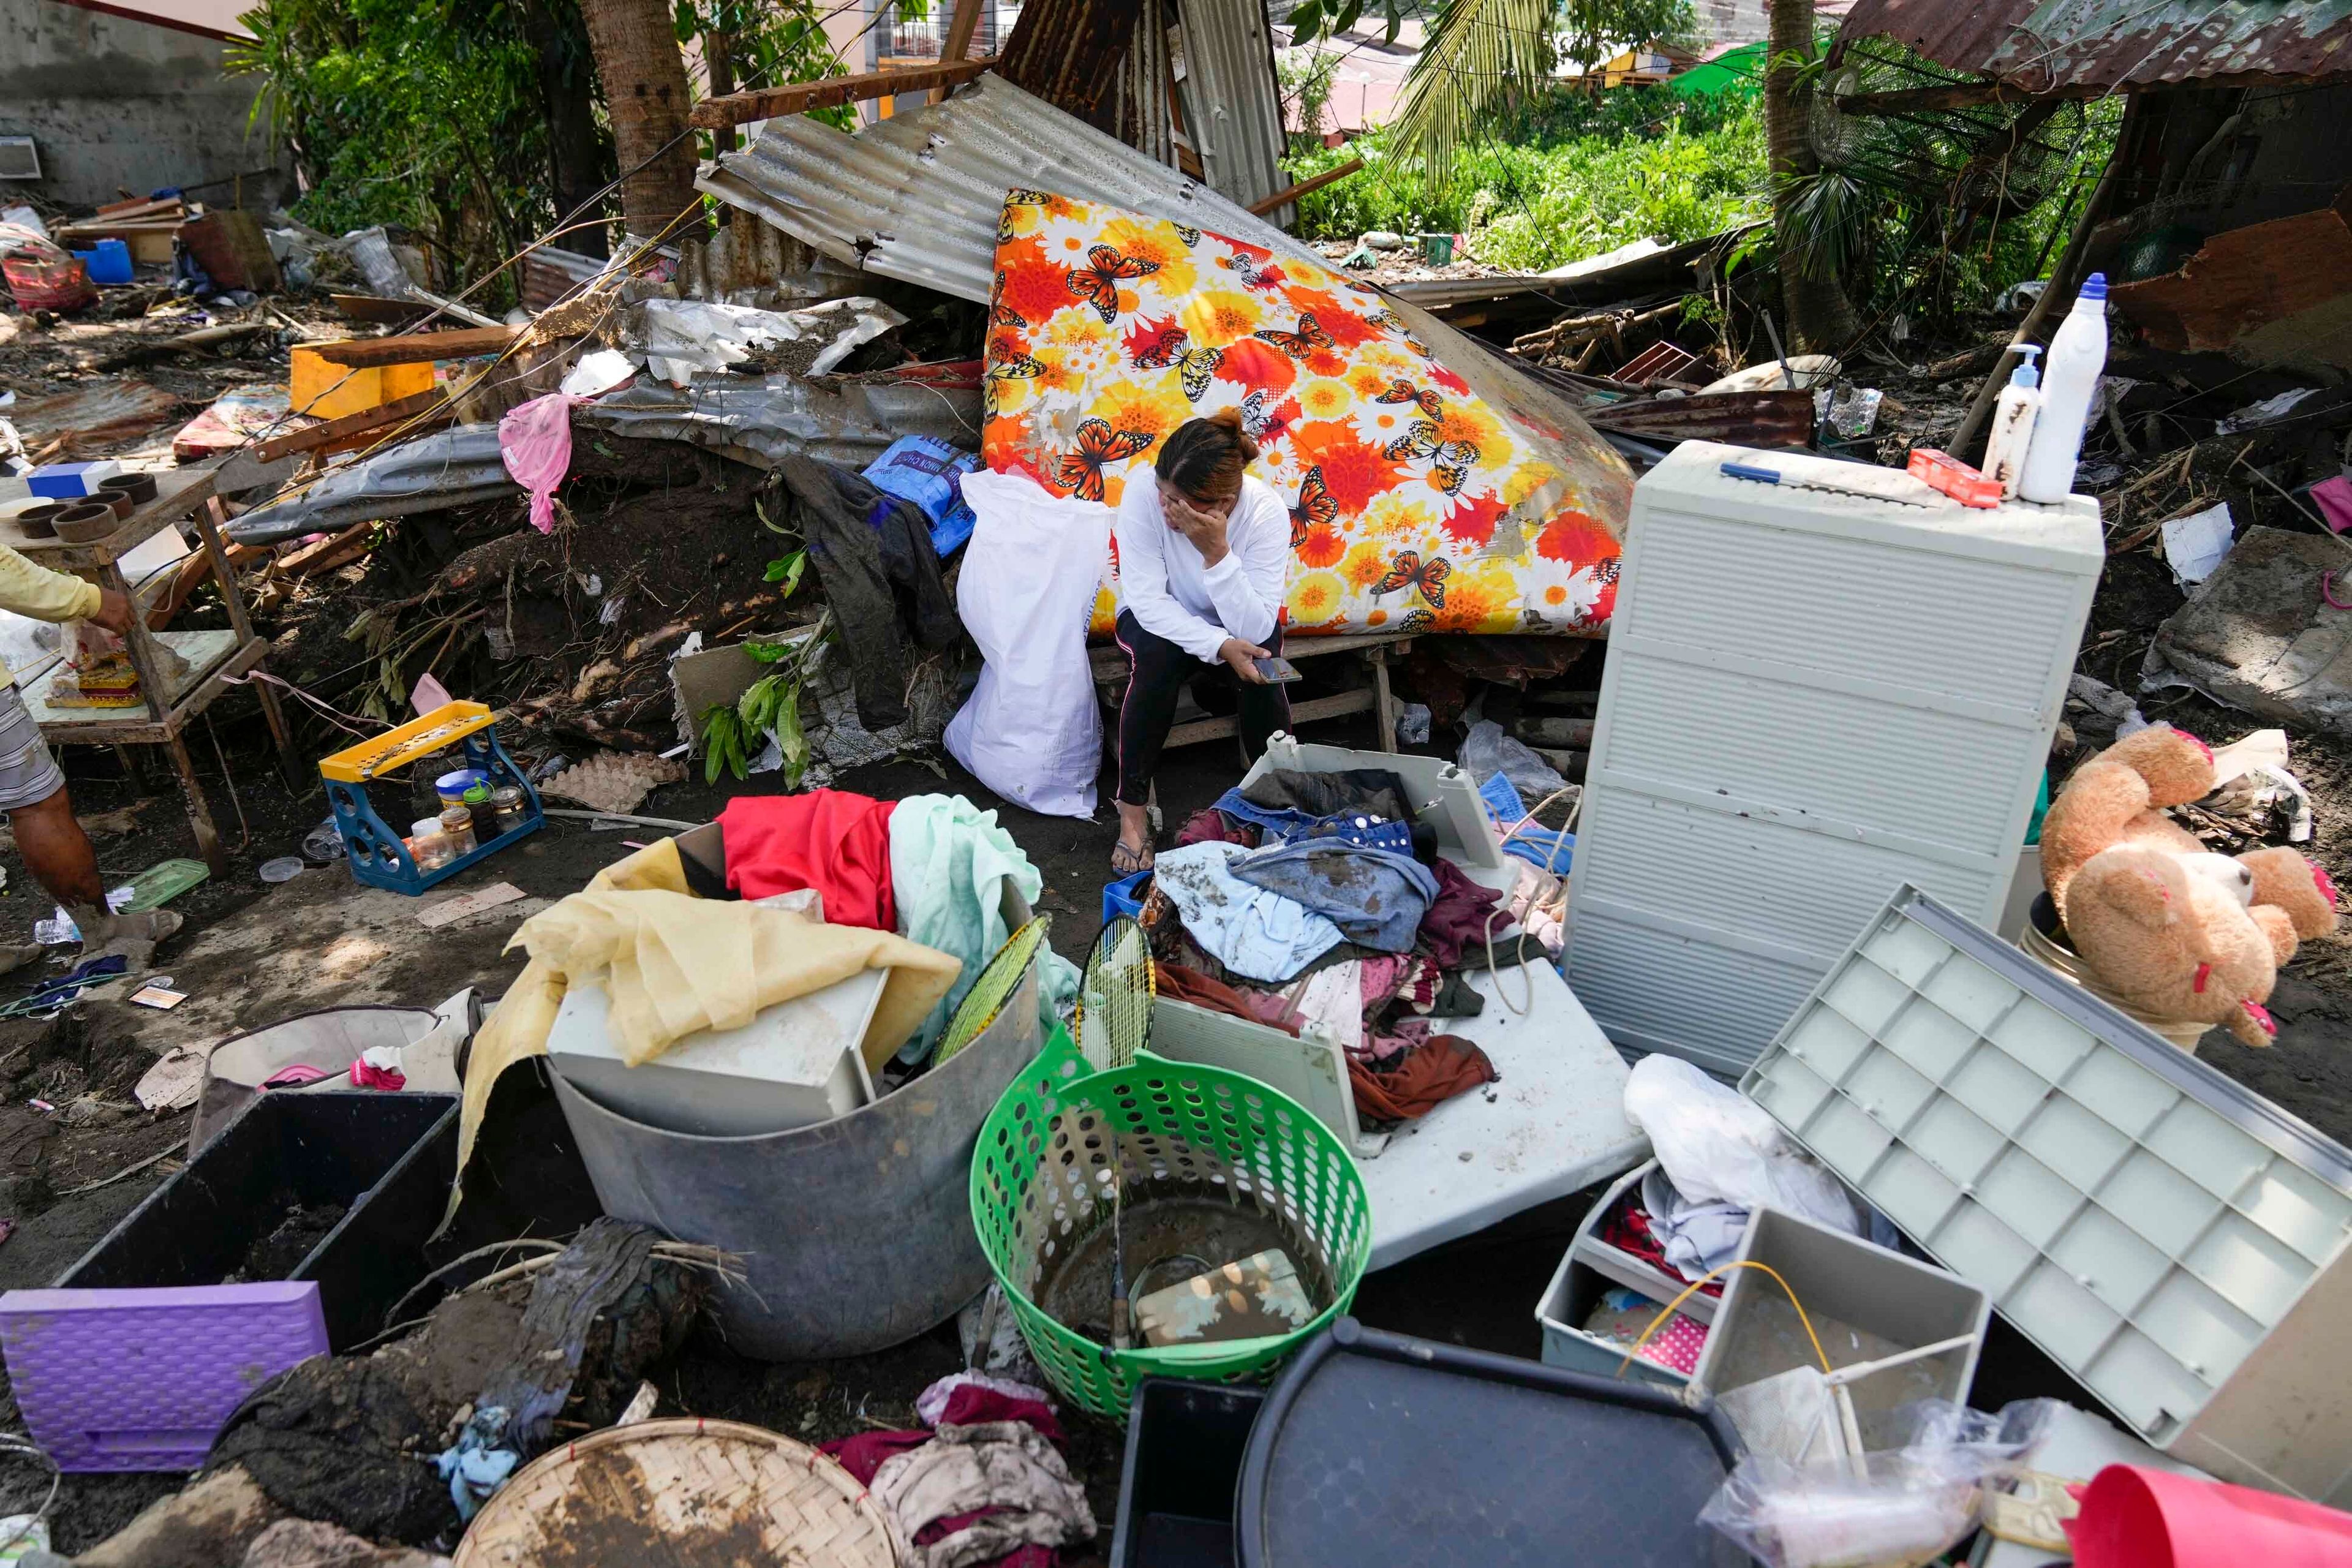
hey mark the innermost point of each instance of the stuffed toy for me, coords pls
(2171, 928)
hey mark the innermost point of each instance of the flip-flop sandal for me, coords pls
(1126, 862)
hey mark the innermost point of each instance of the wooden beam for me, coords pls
(958, 43)
(410, 348)
(366, 422)
(798, 98)
(1291, 194)
(1932, 100)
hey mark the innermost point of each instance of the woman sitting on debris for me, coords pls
(1203, 554)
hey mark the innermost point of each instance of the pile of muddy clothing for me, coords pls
(1314, 901)
(981, 1484)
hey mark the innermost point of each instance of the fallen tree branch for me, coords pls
(202, 338)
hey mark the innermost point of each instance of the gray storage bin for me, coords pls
(1623, 1268)
(2172, 1239)
(1575, 1290)
(1844, 1284)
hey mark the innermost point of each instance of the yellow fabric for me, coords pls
(675, 964)
(41, 594)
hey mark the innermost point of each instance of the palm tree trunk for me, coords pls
(1819, 318)
(647, 95)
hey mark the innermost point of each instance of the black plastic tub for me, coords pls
(1184, 1447)
(1378, 1451)
(386, 1159)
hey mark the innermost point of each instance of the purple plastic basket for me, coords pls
(144, 1380)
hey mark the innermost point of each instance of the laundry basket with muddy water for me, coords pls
(1207, 1161)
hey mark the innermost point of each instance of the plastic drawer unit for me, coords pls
(2172, 1239)
(1811, 699)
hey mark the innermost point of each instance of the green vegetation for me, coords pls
(429, 116)
(1572, 175)
(1568, 177)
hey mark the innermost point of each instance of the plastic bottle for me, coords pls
(2014, 414)
(2069, 374)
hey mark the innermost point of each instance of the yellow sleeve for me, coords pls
(27, 589)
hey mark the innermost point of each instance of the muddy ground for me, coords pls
(253, 953)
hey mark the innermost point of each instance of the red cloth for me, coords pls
(862, 1453)
(1210, 825)
(1446, 1066)
(972, 1405)
(1459, 915)
(832, 840)
(1626, 1227)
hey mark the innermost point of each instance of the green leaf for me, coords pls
(787, 569)
(790, 740)
(774, 652)
(753, 706)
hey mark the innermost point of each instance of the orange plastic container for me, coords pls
(329, 391)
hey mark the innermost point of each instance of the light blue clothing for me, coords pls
(1258, 935)
(1375, 897)
(949, 865)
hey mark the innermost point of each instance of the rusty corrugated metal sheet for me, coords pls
(2044, 46)
(1069, 52)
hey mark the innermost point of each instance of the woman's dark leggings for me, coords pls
(1158, 671)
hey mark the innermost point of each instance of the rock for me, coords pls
(2259, 635)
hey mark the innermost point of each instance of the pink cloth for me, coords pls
(535, 444)
(1380, 975)
(367, 1074)
(2334, 499)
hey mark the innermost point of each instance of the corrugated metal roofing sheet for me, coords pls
(917, 197)
(1229, 81)
(2046, 45)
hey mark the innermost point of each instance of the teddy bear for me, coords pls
(2173, 930)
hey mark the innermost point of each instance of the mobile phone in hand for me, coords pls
(1277, 670)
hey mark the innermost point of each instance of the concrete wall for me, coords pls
(115, 103)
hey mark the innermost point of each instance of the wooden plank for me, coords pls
(177, 494)
(338, 550)
(366, 422)
(1357, 701)
(958, 43)
(1109, 661)
(798, 98)
(1290, 194)
(413, 348)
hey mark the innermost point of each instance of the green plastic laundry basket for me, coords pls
(1041, 1171)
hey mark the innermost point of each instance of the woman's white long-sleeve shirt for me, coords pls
(1174, 595)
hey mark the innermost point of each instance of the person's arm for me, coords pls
(1246, 587)
(1143, 574)
(41, 594)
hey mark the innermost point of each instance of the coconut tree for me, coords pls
(1809, 209)
(646, 97)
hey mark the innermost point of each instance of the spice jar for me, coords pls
(509, 808)
(458, 827)
(468, 787)
(427, 845)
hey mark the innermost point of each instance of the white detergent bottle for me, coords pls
(2069, 376)
(2015, 416)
